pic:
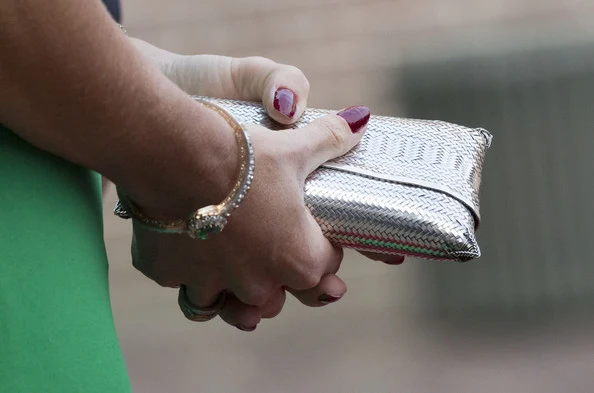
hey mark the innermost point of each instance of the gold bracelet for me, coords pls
(209, 219)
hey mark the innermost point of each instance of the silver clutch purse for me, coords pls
(410, 187)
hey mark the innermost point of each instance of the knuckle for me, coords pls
(310, 279)
(273, 313)
(299, 79)
(334, 132)
(294, 70)
(284, 75)
(248, 67)
(297, 75)
(308, 274)
(311, 266)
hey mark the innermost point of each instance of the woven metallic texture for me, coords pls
(410, 187)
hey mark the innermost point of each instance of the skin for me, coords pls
(85, 92)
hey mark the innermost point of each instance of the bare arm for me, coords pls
(73, 85)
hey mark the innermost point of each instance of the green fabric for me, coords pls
(56, 326)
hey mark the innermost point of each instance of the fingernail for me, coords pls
(245, 328)
(397, 260)
(284, 102)
(327, 299)
(356, 116)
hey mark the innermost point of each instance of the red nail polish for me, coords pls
(397, 260)
(284, 102)
(245, 328)
(356, 116)
(327, 299)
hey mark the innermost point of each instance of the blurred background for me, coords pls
(519, 319)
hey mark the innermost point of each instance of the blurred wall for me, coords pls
(349, 49)
(376, 339)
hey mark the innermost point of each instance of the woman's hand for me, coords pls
(284, 159)
(271, 241)
(282, 89)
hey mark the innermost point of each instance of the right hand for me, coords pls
(271, 242)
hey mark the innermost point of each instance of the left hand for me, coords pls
(283, 90)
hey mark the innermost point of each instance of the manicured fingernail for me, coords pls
(284, 102)
(327, 299)
(245, 328)
(356, 116)
(397, 260)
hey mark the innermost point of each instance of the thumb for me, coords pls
(329, 136)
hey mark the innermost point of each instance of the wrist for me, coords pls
(197, 208)
(200, 173)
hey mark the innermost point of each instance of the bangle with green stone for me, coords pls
(210, 219)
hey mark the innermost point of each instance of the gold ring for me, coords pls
(199, 314)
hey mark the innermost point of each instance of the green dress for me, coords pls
(56, 325)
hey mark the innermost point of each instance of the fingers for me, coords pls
(274, 306)
(329, 290)
(283, 89)
(246, 317)
(329, 137)
(240, 315)
(322, 259)
(385, 258)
